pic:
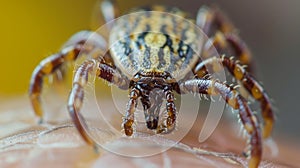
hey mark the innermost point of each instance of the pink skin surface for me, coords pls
(25, 144)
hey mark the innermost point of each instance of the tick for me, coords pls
(156, 60)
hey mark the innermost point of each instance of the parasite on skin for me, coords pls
(156, 59)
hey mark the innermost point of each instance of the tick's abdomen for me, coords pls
(155, 42)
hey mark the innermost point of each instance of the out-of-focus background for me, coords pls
(31, 30)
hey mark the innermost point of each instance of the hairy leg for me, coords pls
(80, 80)
(52, 64)
(236, 101)
(169, 124)
(223, 36)
(128, 119)
(249, 83)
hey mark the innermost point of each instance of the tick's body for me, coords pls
(148, 52)
(160, 41)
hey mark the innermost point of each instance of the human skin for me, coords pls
(25, 144)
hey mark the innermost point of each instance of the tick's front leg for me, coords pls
(81, 43)
(81, 77)
(128, 119)
(169, 124)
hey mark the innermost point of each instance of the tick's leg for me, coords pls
(169, 124)
(248, 81)
(223, 36)
(236, 101)
(80, 80)
(109, 10)
(48, 66)
(77, 96)
(229, 44)
(211, 20)
(128, 119)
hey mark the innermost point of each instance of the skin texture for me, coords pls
(62, 146)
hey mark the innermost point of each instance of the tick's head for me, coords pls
(152, 121)
(153, 88)
(152, 101)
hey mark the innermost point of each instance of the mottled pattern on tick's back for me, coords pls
(155, 42)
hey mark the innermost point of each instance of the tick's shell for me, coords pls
(152, 41)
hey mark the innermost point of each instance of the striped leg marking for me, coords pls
(80, 81)
(223, 36)
(169, 124)
(73, 48)
(236, 101)
(128, 119)
(47, 67)
(230, 44)
(248, 81)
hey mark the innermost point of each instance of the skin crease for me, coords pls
(65, 148)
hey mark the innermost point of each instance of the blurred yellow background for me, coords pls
(32, 30)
